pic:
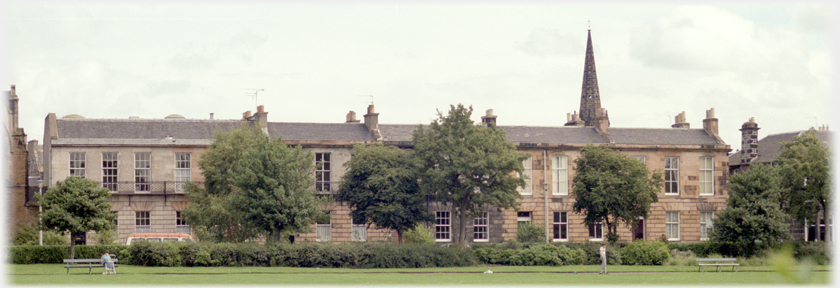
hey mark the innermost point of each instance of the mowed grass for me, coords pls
(55, 274)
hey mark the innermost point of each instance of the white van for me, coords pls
(159, 237)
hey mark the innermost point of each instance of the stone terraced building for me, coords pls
(145, 161)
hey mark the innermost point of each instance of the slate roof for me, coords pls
(81, 128)
(320, 131)
(554, 135)
(662, 136)
(770, 147)
(74, 130)
(578, 135)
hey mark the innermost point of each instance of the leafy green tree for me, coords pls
(611, 187)
(28, 235)
(380, 186)
(753, 219)
(76, 205)
(470, 167)
(253, 186)
(804, 166)
(276, 187)
(212, 212)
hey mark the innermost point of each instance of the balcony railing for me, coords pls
(172, 187)
(152, 187)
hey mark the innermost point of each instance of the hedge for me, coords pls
(818, 251)
(34, 254)
(515, 253)
(348, 255)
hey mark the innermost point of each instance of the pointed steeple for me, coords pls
(590, 98)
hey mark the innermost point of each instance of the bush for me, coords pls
(593, 257)
(819, 252)
(28, 235)
(530, 233)
(682, 258)
(700, 249)
(419, 235)
(147, 253)
(547, 255)
(642, 252)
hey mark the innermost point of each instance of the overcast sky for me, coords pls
(316, 62)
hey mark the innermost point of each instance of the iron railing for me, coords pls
(151, 187)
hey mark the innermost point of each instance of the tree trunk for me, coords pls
(462, 238)
(72, 247)
(399, 237)
(276, 234)
(817, 227)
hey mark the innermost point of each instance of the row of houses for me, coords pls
(145, 162)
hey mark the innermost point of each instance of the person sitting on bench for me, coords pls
(109, 265)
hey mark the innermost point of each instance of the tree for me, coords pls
(276, 187)
(254, 186)
(28, 235)
(752, 219)
(212, 211)
(804, 168)
(77, 205)
(609, 184)
(468, 166)
(381, 187)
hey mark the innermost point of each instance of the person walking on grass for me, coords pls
(603, 252)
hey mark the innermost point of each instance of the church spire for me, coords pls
(590, 99)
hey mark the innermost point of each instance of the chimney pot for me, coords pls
(372, 121)
(247, 114)
(489, 119)
(351, 117)
(260, 109)
(211, 116)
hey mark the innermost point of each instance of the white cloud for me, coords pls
(549, 42)
(710, 38)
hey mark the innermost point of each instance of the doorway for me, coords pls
(640, 230)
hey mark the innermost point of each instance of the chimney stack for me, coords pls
(261, 117)
(602, 121)
(710, 124)
(372, 122)
(749, 140)
(489, 119)
(574, 120)
(351, 117)
(679, 121)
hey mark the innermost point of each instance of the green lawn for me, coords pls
(55, 274)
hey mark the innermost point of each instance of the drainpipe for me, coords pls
(545, 192)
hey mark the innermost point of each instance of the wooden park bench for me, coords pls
(86, 263)
(718, 262)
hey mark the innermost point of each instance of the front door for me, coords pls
(640, 230)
